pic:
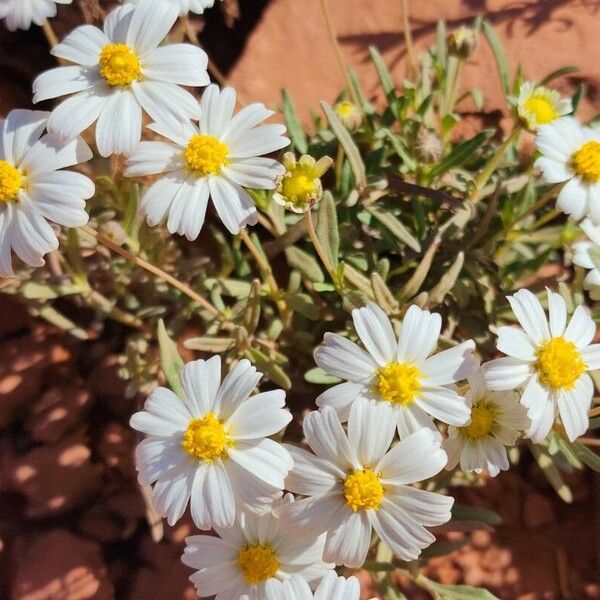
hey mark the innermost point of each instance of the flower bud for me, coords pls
(349, 114)
(462, 42)
(428, 146)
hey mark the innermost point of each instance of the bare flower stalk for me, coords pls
(408, 40)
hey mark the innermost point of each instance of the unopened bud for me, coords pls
(462, 42)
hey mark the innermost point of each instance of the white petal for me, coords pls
(444, 404)
(557, 313)
(531, 315)
(159, 197)
(333, 587)
(256, 173)
(248, 117)
(251, 492)
(311, 475)
(221, 579)
(165, 102)
(572, 199)
(62, 81)
(573, 406)
(257, 141)
(311, 516)
(233, 205)
(236, 387)
(554, 171)
(340, 397)
(217, 110)
(581, 328)
(371, 428)
(150, 23)
(204, 551)
(182, 64)
(188, 208)
(415, 458)
(32, 236)
(201, 380)
(157, 457)
(151, 158)
(212, 500)
(591, 356)
(261, 415)
(349, 543)
(77, 113)
(428, 508)
(376, 333)
(450, 365)
(82, 46)
(119, 127)
(266, 459)
(50, 154)
(411, 419)
(535, 397)
(419, 334)
(515, 342)
(506, 373)
(172, 494)
(164, 414)
(20, 131)
(340, 357)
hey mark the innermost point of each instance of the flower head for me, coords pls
(120, 72)
(330, 587)
(571, 154)
(35, 190)
(251, 555)
(399, 372)
(538, 105)
(218, 158)
(586, 254)
(210, 448)
(549, 359)
(497, 420)
(20, 14)
(354, 483)
(349, 114)
(300, 188)
(462, 42)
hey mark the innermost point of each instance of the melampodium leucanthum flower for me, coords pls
(119, 72)
(549, 360)
(210, 447)
(251, 554)
(34, 189)
(497, 420)
(586, 254)
(217, 158)
(20, 14)
(331, 587)
(185, 6)
(355, 483)
(538, 105)
(571, 154)
(399, 372)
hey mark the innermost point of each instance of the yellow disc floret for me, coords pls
(399, 383)
(300, 185)
(205, 155)
(119, 65)
(586, 162)
(363, 490)
(559, 364)
(542, 108)
(482, 421)
(206, 438)
(258, 563)
(11, 182)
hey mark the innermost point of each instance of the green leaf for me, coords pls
(48, 291)
(400, 149)
(305, 263)
(170, 361)
(294, 126)
(216, 345)
(446, 283)
(461, 512)
(350, 147)
(269, 368)
(327, 228)
(317, 375)
(544, 460)
(457, 592)
(395, 227)
(460, 155)
(440, 42)
(585, 455)
(443, 548)
(303, 304)
(499, 55)
(382, 71)
(558, 73)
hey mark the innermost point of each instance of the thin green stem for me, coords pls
(495, 160)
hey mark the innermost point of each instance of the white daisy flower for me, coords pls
(398, 372)
(331, 587)
(571, 154)
(549, 359)
(34, 189)
(119, 72)
(20, 14)
(586, 254)
(497, 420)
(355, 483)
(210, 448)
(538, 105)
(249, 555)
(218, 157)
(186, 6)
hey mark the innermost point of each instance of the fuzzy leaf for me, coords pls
(317, 375)
(269, 368)
(327, 228)
(395, 227)
(499, 55)
(460, 155)
(382, 71)
(294, 126)
(216, 345)
(458, 592)
(305, 263)
(170, 361)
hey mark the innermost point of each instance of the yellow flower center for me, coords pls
(11, 182)
(363, 490)
(119, 65)
(258, 563)
(542, 109)
(482, 421)
(399, 383)
(206, 438)
(344, 109)
(559, 364)
(586, 162)
(205, 154)
(299, 185)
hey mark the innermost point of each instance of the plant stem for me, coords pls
(408, 41)
(594, 412)
(140, 262)
(338, 51)
(310, 228)
(49, 33)
(493, 163)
